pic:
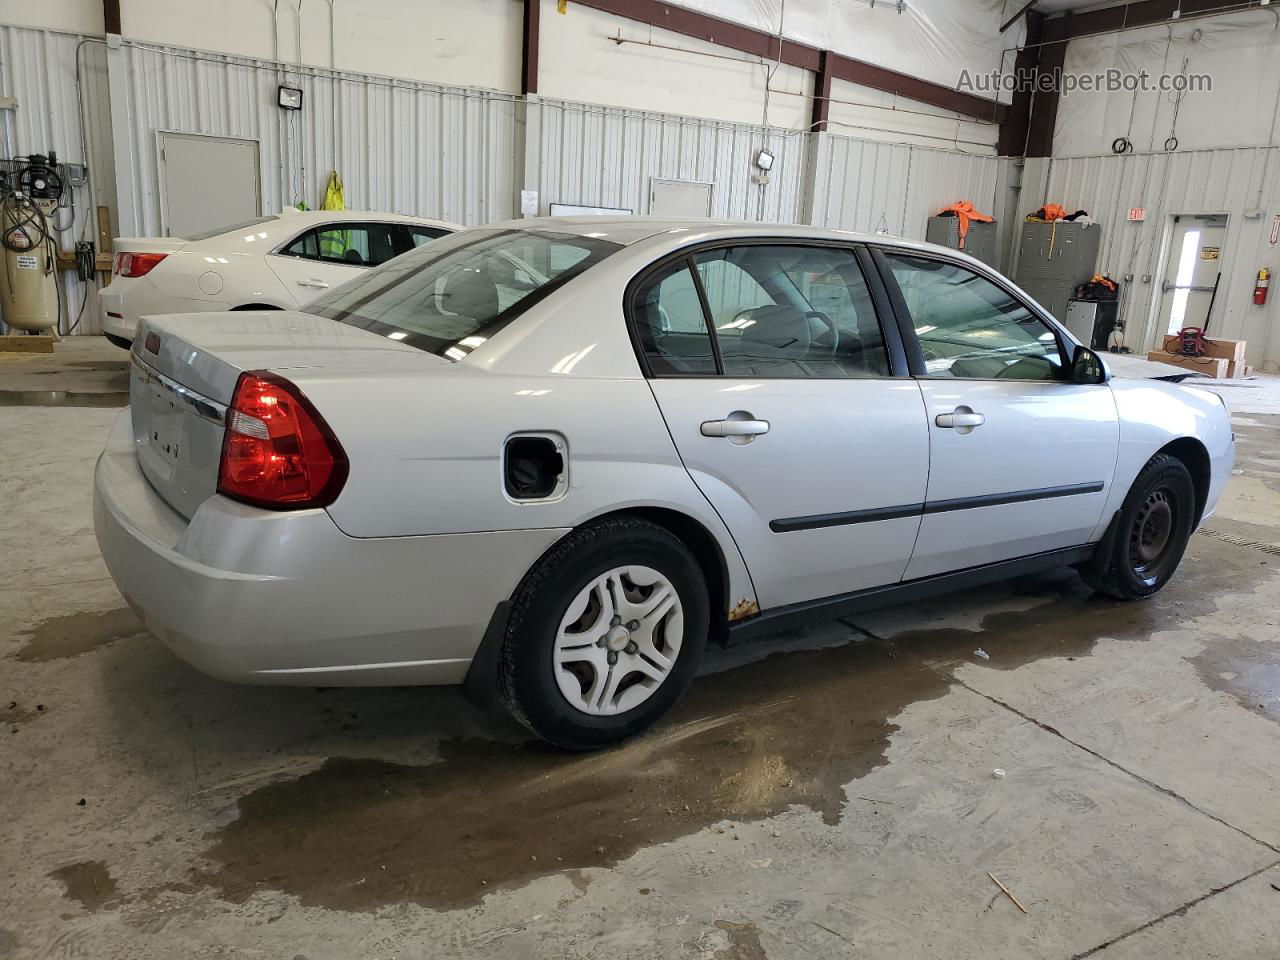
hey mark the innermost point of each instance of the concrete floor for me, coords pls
(837, 800)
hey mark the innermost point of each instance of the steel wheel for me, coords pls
(618, 640)
(1152, 532)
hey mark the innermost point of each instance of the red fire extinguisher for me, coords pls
(1260, 288)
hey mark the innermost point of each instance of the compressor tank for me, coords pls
(28, 277)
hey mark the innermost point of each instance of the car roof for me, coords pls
(304, 217)
(278, 227)
(627, 230)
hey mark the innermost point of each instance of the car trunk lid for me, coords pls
(148, 244)
(184, 374)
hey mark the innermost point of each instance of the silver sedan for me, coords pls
(553, 459)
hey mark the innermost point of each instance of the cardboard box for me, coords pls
(1215, 367)
(1213, 347)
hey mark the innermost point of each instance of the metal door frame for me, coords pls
(1153, 333)
(710, 185)
(162, 167)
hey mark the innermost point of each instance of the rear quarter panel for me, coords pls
(229, 279)
(1152, 415)
(426, 454)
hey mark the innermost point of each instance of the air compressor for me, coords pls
(29, 282)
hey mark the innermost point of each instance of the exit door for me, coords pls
(1193, 266)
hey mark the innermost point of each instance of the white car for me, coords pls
(280, 262)
(554, 458)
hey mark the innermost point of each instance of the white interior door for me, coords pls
(207, 182)
(679, 198)
(1193, 264)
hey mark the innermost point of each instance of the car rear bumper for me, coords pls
(125, 300)
(260, 596)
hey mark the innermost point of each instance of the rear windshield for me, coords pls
(229, 228)
(449, 296)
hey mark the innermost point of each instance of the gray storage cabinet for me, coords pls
(1052, 263)
(980, 243)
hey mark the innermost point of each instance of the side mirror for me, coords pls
(1087, 367)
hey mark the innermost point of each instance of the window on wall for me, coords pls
(969, 327)
(1186, 272)
(772, 310)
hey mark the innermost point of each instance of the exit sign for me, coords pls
(1137, 213)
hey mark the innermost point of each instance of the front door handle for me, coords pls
(738, 427)
(313, 282)
(962, 419)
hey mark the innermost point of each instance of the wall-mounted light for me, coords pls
(288, 98)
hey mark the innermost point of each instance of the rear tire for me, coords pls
(1151, 533)
(605, 634)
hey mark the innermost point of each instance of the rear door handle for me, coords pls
(313, 282)
(961, 419)
(740, 428)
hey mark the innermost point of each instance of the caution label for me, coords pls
(1210, 253)
(27, 262)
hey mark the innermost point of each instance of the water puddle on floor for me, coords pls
(744, 942)
(63, 398)
(77, 633)
(1248, 670)
(746, 744)
(89, 883)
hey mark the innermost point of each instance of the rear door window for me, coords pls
(672, 328)
(354, 244)
(774, 310)
(420, 235)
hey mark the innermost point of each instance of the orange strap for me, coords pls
(966, 211)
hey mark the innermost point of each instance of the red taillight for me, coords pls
(277, 451)
(136, 264)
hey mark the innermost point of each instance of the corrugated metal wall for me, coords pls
(38, 67)
(869, 186)
(442, 152)
(605, 156)
(1201, 181)
(448, 152)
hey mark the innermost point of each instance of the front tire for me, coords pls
(605, 634)
(1152, 530)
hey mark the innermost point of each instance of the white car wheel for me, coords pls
(618, 640)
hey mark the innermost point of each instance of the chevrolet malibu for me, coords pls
(552, 460)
